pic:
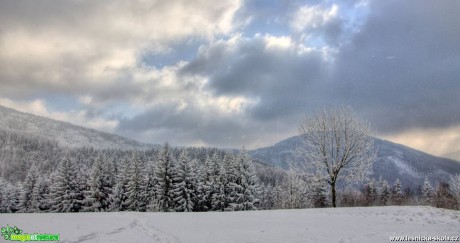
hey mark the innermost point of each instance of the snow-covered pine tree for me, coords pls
(245, 189)
(233, 181)
(100, 186)
(197, 180)
(163, 175)
(28, 186)
(396, 193)
(219, 197)
(40, 195)
(135, 188)
(119, 195)
(10, 201)
(427, 192)
(183, 184)
(384, 194)
(209, 172)
(65, 195)
(149, 193)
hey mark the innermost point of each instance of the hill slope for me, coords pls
(393, 161)
(66, 134)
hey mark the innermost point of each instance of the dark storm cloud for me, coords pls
(402, 69)
(282, 79)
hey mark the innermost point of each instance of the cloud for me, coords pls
(400, 70)
(280, 74)
(72, 47)
(313, 17)
(233, 73)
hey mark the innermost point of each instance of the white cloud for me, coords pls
(83, 48)
(282, 42)
(313, 17)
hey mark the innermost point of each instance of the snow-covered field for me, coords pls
(371, 224)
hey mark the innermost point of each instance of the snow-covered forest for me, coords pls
(37, 175)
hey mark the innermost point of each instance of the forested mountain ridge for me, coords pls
(393, 161)
(64, 133)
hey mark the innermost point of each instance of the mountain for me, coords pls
(393, 161)
(66, 134)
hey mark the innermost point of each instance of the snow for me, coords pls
(370, 224)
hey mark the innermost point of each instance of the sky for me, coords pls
(235, 73)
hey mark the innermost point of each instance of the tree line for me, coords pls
(39, 176)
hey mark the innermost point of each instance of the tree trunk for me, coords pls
(333, 194)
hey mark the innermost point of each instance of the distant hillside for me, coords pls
(393, 161)
(66, 134)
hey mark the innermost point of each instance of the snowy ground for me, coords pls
(372, 224)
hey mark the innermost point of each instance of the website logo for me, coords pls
(16, 234)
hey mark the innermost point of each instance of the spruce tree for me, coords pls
(219, 197)
(427, 192)
(149, 187)
(28, 187)
(40, 195)
(100, 186)
(135, 186)
(183, 185)
(164, 178)
(245, 188)
(65, 195)
(396, 193)
(384, 193)
(120, 193)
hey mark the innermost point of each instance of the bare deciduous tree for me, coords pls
(338, 147)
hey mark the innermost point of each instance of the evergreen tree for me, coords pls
(384, 193)
(198, 182)
(120, 193)
(40, 195)
(427, 192)
(219, 197)
(396, 194)
(244, 195)
(28, 187)
(164, 178)
(210, 173)
(100, 186)
(135, 188)
(149, 186)
(11, 200)
(65, 195)
(183, 184)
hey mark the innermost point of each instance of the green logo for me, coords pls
(15, 234)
